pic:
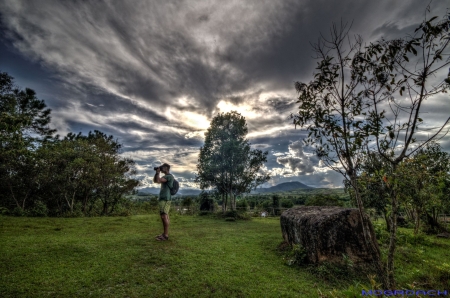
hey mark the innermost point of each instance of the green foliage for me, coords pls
(17, 211)
(207, 203)
(242, 204)
(266, 204)
(286, 203)
(187, 202)
(39, 209)
(324, 200)
(24, 124)
(4, 211)
(226, 162)
(231, 214)
(296, 255)
(344, 107)
(43, 175)
(420, 181)
(301, 200)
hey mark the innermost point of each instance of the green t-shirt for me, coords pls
(164, 193)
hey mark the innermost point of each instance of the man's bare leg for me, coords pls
(166, 222)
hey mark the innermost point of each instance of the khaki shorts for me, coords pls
(164, 207)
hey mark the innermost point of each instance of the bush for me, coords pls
(207, 203)
(187, 202)
(324, 200)
(19, 212)
(266, 204)
(242, 205)
(231, 213)
(39, 209)
(77, 211)
(244, 216)
(380, 233)
(236, 215)
(287, 203)
(4, 211)
(297, 255)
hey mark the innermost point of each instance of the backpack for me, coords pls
(175, 187)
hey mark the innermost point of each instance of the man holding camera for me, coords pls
(164, 198)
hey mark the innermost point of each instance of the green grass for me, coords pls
(422, 261)
(205, 257)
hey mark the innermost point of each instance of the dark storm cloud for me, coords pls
(143, 55)
(153, 73)
(297, 160)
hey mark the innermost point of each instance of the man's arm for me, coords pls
(157, 179)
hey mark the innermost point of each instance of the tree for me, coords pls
(324, 200)
(226, 161)
(422, 188)
(424, 192)
(372, 188)
(344, 107)
(389, 71)
(38, 170)
(287, 203)
(24, 122)
(330, 109)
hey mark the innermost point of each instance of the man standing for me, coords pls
(164, 198)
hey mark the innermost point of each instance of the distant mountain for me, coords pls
(182, 191)
(149, 190)
(286, 186)
(189, 192)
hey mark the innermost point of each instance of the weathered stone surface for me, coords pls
(327, 233)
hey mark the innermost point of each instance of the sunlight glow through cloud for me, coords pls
(154, 73)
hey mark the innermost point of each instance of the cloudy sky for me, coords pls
(154, 73)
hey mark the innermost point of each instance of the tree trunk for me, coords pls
(392, 242)
(68, 203)
(105, 207)
(12, 194)
(24, 199)
(371, 248)
(417, 221)
(387, 220)
(434, 224)
(225, 202)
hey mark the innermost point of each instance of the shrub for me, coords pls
(324, 200)
(207, 203)
(39, 209)
(297, 255)
(4, 211)
(231, 213)
(204, 213)
(242, 205)
(287, 203)
(244, 216)
(19, 212)
(266, 204)
(236, 215)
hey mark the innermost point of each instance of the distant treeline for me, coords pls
(42, 174)
(273, 203)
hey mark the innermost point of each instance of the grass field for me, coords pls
(205, 257)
